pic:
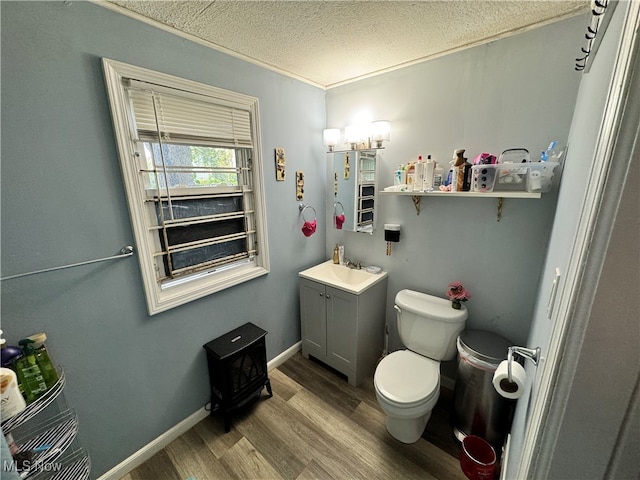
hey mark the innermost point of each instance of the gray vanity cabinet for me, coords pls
(342, 329)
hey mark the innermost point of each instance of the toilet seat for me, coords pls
(407, 379)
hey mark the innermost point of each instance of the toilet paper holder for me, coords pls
(532, 354)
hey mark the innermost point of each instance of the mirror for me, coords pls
(354, 190)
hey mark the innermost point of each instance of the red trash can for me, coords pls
(477, 458)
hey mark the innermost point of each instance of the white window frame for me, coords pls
(159, 296)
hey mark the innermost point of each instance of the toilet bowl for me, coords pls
(407, 387)
(407, 382)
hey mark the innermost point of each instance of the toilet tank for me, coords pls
(429, 325)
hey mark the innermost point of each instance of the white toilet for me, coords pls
(407, 382)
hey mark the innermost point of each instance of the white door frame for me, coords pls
(537, 452)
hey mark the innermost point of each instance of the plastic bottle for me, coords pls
(9, 353)
(461, 177)
(467, 177)
(43, 359)
(550, 152)
(336, 255)
(419, 175)
(429, 167)
(10, 397)
(438, 173)
(411, 176)
(28, 372)
(397, 176)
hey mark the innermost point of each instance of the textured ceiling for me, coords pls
(331, 42)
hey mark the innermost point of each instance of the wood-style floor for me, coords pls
(316, 426)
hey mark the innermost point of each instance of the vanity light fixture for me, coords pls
(380, 132)
(359, 136)
(331, 137)
(355, 135)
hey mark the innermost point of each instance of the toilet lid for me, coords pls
(406, 377)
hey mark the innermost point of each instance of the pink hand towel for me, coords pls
(339, 219)
(309, 228)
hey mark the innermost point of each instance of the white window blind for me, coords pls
(187, 117)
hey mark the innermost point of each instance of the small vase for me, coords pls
(456, 304)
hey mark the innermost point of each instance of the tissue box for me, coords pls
(513, 177)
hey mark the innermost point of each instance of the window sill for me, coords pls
(179, 294)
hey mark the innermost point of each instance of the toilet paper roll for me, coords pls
(503, 386)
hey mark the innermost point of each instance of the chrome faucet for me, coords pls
(350, 264)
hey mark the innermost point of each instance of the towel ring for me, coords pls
(334, 208)
(303, 208)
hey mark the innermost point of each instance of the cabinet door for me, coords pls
(342, 319)
(313, 312)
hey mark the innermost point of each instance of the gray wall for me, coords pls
(131, 377)
(515, 92)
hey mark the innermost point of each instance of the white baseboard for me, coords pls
(150, 449)
(284, 356)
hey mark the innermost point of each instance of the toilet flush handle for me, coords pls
(397, 308)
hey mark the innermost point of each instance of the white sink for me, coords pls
(340, 276)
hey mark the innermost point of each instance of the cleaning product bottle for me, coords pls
(43, 359)
(336, 255)
(28, 372)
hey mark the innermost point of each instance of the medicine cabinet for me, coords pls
(355, 189)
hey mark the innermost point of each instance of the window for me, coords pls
(190, 159)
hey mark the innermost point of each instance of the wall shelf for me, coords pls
(417, 197)
(467, 194)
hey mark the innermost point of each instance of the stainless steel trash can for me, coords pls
(477, 407)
